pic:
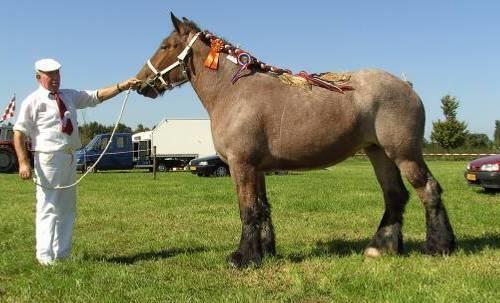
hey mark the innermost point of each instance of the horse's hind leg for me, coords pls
(440, 237)
(266, 225)
(388, 238)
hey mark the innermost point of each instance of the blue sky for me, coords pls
(443, 47)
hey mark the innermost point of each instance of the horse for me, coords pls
(259, 123)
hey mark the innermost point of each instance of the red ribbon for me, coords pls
(324, 84)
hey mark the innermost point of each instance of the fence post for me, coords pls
(154, 162)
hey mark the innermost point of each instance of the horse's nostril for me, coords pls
(140, 89)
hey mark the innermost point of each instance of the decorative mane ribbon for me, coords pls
(314, 79)
(244, 59)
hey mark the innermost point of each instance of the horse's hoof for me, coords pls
(372, 252)
(237, 260)
(434, 250)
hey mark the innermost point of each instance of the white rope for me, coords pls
(59, 187)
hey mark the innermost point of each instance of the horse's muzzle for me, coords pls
(141, 88)
(146, 90)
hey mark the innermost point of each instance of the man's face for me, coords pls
(49, 80)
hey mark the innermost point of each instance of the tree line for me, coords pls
(89, 130)
(451, 133)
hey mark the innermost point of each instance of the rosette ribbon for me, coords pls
(244, 60)
(212, 60)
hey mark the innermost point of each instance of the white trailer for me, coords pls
(177, 141)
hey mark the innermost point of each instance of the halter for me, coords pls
(179, 63)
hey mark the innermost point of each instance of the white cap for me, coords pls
(47, 65)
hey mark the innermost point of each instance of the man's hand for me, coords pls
(113, 90)
(25, 171)
(22, 155)
(131, 83)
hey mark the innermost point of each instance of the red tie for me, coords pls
(67, 126)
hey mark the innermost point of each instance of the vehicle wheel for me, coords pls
(220, 171)
(7, 160)
(162, 167)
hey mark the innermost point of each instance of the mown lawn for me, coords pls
(165, 240)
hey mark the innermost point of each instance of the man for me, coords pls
(48, 116)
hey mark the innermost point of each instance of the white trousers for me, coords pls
(55, 209)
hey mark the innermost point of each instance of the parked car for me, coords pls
(209, 166)
(484, 172)
(118, 155)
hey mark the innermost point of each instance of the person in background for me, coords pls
(48, 116)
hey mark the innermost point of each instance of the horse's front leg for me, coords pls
(249, 252)
(266, 225)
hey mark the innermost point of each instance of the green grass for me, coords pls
(165, 240)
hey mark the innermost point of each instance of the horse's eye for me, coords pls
(163, 46)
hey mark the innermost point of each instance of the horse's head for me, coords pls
(167, 69)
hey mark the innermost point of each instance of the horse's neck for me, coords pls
(207, 83)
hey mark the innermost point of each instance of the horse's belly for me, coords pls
(304, 154)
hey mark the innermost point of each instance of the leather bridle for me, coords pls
(158, 75)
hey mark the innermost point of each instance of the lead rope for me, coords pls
(59, 187)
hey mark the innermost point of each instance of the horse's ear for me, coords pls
(177, 23)
(186, 20)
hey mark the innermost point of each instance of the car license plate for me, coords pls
(192, 168)
(471, 177)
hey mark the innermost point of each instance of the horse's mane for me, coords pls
(323, 79)
(230, 49)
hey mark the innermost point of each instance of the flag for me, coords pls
(10, 110)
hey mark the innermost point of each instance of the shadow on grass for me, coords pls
(335, 247)
(344, 248)
(472, 245)
(148, 256)
(489, 191)
(468, 244)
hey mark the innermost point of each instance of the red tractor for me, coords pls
(8, 159)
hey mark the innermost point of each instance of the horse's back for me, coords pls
(317, 127)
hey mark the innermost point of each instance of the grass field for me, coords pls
(165, 240)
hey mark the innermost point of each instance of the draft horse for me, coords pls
(259, 123)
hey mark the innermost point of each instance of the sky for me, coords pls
(443, 47)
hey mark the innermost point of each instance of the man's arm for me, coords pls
(22, 155)
(109, 92)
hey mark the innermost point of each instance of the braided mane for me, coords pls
(323, 80)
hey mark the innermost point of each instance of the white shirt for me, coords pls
(39, 118)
